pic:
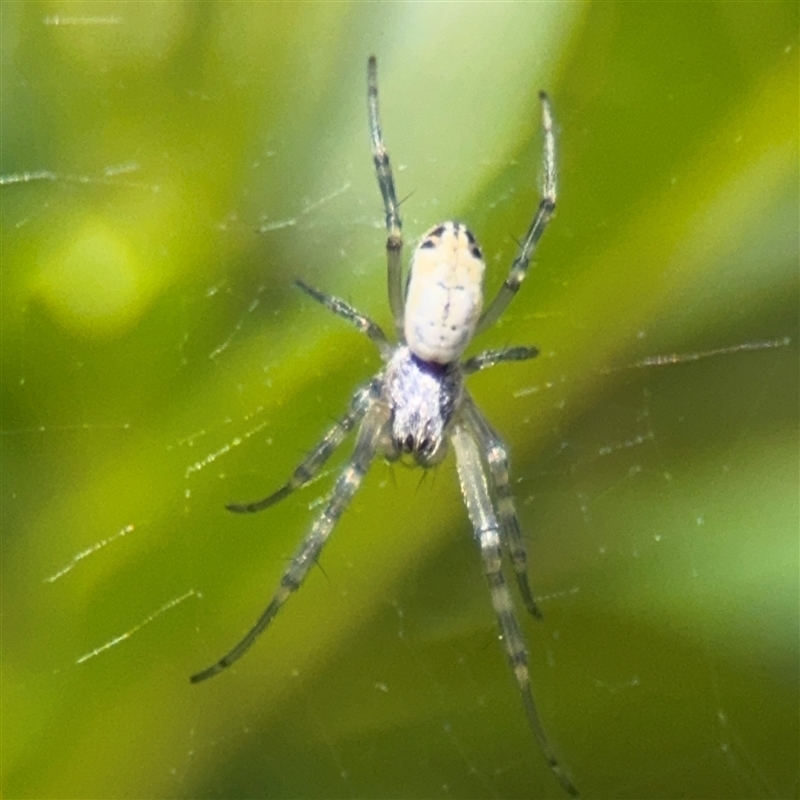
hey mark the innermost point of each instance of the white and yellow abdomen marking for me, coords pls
(445, 293)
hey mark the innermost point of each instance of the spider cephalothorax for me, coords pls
(417, 404)
(422, 396)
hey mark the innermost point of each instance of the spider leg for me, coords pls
(361, 321)
(488, 358)
(543, 214)
(496, 455)
(336, 434)
(309, 550)
(383, 171)
(484, 521)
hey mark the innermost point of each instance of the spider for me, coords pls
(417, 404)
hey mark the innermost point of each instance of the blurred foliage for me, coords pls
(167, 169)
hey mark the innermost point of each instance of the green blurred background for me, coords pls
(167, 170)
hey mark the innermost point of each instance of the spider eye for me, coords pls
(425, 446)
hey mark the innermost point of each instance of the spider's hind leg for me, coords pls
(383, 171)
(546, 209)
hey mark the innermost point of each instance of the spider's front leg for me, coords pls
(487, 530)
(312, 463)
(496, 454)
(373, 431)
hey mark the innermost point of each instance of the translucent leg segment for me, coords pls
(310, 548)
(487, 531)
(496, 454)
(383, 171)
(312, 463)
(345, 310)
(488, 358)
(519, 269)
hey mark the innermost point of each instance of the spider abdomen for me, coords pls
(444, 297)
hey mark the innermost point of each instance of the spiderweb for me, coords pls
(157, 365)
